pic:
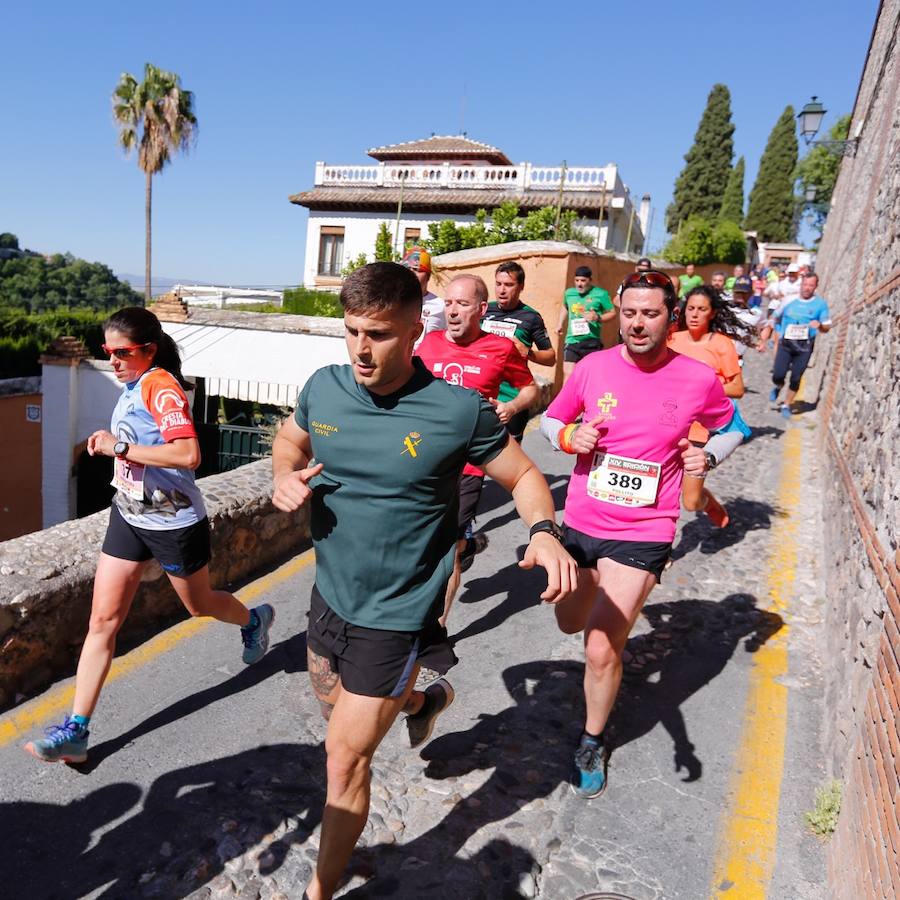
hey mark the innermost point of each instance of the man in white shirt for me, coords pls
(752, 319)
(780, 293)
(418, 261)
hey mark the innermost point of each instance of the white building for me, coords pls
(419, 182)
(220, 297)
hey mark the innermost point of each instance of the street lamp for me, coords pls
(810, 118)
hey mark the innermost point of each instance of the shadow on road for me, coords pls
(194, 822)
(493, 496)
(690, 644)
(746, 516)
(287, 656)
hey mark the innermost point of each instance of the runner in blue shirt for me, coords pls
(797, 323)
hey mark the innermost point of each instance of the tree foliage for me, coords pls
(36, 283)
(8, 241)
(701, 241)
(819, 169)
(733, 199)
(700, 187)
(384, 244)
(771, 208)
(505, 225)
(24, 336)
(155, 117)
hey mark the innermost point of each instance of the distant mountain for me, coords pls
(161, 284)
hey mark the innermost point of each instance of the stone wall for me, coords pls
(859, 261)
(46, 578)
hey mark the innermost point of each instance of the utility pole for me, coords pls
(562, 184)
(630, 226)
(600, 217)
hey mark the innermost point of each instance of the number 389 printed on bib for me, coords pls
(622, 480)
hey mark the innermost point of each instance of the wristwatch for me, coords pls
(120, 449)
(547, 525)
(711, 461)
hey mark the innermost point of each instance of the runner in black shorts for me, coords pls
(636, 403)
(157, 513)
(510, 317)
(586, 307)
(376, 448)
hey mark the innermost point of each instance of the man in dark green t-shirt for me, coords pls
(376, 449)
(688, 281)
(510, 317)
(587, 307)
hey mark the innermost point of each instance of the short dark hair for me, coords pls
(670, 295)
(645, 261)
(812, 275)
(584, 272)
(514, 269)
(379, 287)
(717, 272)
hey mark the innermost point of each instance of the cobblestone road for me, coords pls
(205, 778)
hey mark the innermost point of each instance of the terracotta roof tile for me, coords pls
(441, 147)
(443, 199)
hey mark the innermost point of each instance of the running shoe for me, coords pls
(438, 696)
(717, 513)
(64, 743)
(786, 411)
(773, 395)
(589, 776)
(256, 639)
(474, 545)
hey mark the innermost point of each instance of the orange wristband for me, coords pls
(565, 438)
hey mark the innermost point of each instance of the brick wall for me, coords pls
(859, 261)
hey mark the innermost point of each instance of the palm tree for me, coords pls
(155, 115)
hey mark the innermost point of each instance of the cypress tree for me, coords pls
(733, 198)
(701, 184)
(771, 208)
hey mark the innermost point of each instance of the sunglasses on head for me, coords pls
(122, 352)
(653, 279)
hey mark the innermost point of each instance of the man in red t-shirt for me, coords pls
(468, 357)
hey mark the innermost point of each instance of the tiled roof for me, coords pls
(441, 147)
(442, 199)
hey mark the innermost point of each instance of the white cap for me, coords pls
(793, 267)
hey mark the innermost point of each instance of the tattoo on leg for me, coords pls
(326, 709)
(321, 676)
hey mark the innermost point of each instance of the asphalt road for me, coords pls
(205, 777)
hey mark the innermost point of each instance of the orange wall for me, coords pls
(20, 468)
(547, 275)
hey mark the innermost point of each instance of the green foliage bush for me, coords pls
(37, 284)
(304, 302)
(822, 819)
(505, 226)
(24, 336)
(700, 241)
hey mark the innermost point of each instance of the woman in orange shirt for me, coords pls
(705, 328)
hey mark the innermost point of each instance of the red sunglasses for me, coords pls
(653, 279)
(122, 352)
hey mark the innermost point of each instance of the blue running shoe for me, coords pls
(64, 743)
(256, 640)
(589, 776)
(786, 411)
(773, 395)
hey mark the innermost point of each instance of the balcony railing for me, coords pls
(444, 175)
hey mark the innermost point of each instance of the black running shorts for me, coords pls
(586, 550)
(580, 349)
(180, 551)
(469, 494)
(372, 662)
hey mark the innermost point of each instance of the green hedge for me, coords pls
(304, 302)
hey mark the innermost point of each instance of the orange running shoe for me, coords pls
(717, 513)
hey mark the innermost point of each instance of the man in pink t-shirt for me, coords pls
(636, 403)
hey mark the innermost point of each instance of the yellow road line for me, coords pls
(57, 701)
(745, 853)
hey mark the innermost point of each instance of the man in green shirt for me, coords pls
(688, 281)
(376, 449)
(586, 307)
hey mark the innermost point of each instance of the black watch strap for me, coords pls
(547, 525)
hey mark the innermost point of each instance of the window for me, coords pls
(411, 236)
(331, 250)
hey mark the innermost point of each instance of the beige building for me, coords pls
(418, 183)
(21, 412)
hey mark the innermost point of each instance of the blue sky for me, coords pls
(280, 85)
